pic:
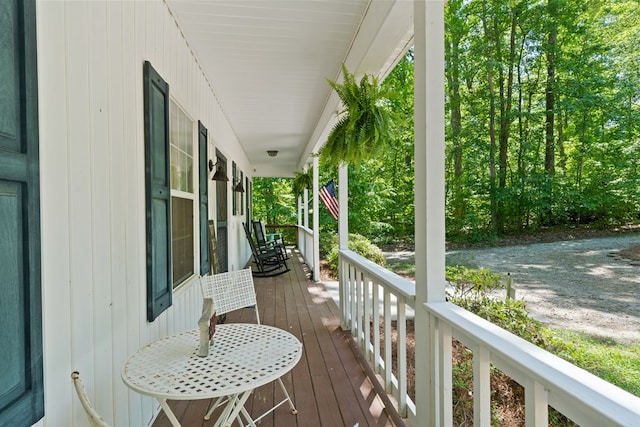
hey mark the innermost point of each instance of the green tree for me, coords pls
(273, 201)
(542, 124)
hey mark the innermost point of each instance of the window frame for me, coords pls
(186, 195)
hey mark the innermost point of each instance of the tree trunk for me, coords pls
(549, 155)
(492, 124)
(506, 96)
(453, 78)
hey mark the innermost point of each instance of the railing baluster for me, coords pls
(376, 328)
(536, 405)
(353, 298)
(402, 356)
(446, 373)
(344, 292)
(481, 387)
(367, 318)
(388, 370)
(360, 306)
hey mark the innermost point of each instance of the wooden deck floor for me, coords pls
(329, 386)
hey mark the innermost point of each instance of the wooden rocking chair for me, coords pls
(269, 261)
(261, 240)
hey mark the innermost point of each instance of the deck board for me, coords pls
(328, 385)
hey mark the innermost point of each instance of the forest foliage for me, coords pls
(542, 125)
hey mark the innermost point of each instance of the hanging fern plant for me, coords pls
(302, 181)
(364, 123)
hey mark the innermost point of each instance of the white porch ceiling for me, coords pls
(269, 61)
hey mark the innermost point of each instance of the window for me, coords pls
(182, 194)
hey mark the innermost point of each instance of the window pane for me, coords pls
(173, 111)
(184, 176)
(175, 169)
(184, 142)
(181, 150)
(187, 149)
(182, 239)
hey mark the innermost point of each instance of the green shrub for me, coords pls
(616, 363)
(510, 315)
(357, 243)
(328, 239)
(471, 291)
(472, 283)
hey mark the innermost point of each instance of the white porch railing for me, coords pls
(305, 245)
(547, 379)
(368, 293)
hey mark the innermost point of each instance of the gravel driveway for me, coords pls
(579, 285)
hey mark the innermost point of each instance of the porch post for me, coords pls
(343, 240)
(316, 221)
(299, 200)
(305, 203)
(343, 205)
(433, 386)
(299, 224)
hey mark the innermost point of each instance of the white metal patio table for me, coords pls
(244, 356)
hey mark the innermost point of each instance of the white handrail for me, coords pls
(547, 379)
(305, 244)
(368, 295)
(572, 391)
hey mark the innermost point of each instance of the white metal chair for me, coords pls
(232, 291)
(94, 418)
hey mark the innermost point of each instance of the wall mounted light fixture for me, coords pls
(221, 171)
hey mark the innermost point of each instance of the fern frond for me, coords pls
(363, 129)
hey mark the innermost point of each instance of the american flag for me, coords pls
(328, 196)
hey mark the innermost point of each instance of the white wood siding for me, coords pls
(90, 58)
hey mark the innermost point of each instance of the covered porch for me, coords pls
(352, 373)
(256, 88)
(329, 385)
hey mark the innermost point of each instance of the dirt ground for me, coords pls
(590, 286)
(631, 253)
(577, 279)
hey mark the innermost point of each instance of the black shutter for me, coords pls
(21, 376)
(204, 198)
(157, 192)
(234, 181)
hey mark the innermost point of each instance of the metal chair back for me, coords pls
(230, 291)
(94, 418)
